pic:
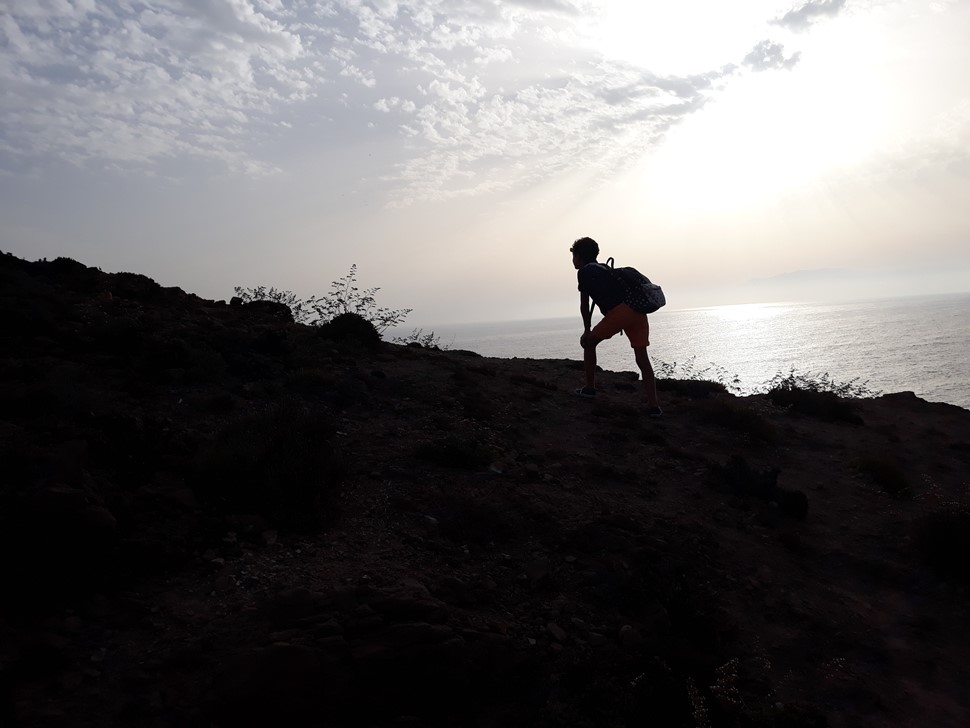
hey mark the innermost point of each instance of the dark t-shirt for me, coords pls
(596, 281)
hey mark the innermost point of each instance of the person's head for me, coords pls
(584, 251)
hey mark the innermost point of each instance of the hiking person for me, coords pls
(599, 283)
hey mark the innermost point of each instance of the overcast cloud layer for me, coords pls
(486, 94)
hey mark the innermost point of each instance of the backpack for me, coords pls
(639, 293)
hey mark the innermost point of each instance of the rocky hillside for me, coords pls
(212, 516)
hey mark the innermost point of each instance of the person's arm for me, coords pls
(585, 311)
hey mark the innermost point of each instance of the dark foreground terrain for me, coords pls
(212, 516)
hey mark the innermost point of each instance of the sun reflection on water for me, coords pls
(741, 312)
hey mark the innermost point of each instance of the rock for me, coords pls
(273, 309)
(557, 632)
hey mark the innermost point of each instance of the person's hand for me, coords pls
(584, 338)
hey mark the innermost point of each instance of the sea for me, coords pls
(919, 344)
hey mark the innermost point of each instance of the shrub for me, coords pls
(818, 395)
(278, 464)
(822, 405)
(714, 377)
(807, 381)
(353, 328)
(344, 297)
(299, 308)
(693, 388)
(428, 340)
(271, 309)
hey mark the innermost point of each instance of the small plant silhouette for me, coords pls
(428, 340)
(688, 379)
(821, 382)
(344, 297)
(818, 395)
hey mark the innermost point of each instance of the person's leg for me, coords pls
(610, 325)
(589, 359)
(637, 329)
(649, 380)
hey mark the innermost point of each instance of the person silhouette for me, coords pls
(598, 283)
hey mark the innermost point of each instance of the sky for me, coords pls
(454, 149)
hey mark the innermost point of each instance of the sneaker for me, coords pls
(585, 392)
(653, 411)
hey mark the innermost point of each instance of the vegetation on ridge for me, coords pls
(339, 307)
(344, 297)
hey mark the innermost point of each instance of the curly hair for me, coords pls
(586, 248)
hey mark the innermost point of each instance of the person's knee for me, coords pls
(589, 341)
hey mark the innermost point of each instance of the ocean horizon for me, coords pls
(917, 343)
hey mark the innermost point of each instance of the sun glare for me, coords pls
(762, 135)
(690, 36)
(768, 134)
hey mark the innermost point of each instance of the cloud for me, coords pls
(808, 14)
(482, 95)
(475, 140)
(128, 84)
(555, 6)
(766, 56)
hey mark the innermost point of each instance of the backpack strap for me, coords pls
(617, 278)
